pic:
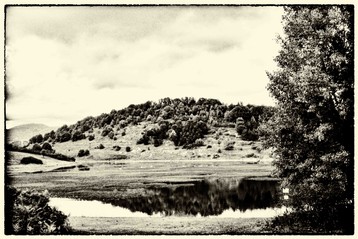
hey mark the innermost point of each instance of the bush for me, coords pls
(30, 160)
(83, 153)
(36, 147)
(101, 146)
(250, 135)
(111, 135)
(230, 145)
(252, 155)
(116, 148)
(157, 142)
(106, 132)
(128, 149)
(64, 137)
(77, 135)
(199, 143)
(28, 213)
(91, 137)
(36, 139)
(46, 146)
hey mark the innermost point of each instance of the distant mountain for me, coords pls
(26, 131)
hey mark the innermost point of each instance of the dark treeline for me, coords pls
(184, 121)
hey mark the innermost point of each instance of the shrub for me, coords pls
(46, 146)
(64, 137)
(116, 148)
(250, 135)
(199, 142)
(91, 137)
(36, 139)
(252, 155)
(144, 139)
(77, 135)
(83, 167)
(83, 153)
(111, 135)
(28, 213)
(30, 160)
(36, 147)
(157, 142)
(128, 149)
(101, 146)
(230, 145)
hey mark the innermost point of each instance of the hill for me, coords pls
(157, 130)
(23, 132)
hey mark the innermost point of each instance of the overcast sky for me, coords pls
(66, 63)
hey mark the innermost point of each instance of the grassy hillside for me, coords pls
(215, 146)
(163, 130)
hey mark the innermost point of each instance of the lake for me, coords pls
(227, 198)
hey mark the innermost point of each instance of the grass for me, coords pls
(112, 173)
(168, 226)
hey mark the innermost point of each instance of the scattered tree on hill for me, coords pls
(313, 130)
(36, 139)
(46, 146)
(210, 111)
(49, 136)
(36, 147)
(78, 135)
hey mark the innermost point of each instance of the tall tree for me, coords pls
(313, 130)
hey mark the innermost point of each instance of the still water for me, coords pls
(228, 198)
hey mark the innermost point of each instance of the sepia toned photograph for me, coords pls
(179, 119)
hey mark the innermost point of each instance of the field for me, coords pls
(108, 179)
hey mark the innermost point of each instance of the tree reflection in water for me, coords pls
(206, 197)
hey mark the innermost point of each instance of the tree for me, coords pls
(77, 135)
(28, 213)
(46, 146)
(36, 139)
(313, 129)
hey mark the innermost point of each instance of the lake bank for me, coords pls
(167, 226)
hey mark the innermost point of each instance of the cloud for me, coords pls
(73, 62)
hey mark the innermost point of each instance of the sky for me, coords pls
(66, 63)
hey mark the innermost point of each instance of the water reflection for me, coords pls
(80, 208)
(205, 198)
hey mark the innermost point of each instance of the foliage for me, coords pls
(30, 160)
(36, 139)
(210, 111)
(229, 145)
(78, 135)
(36, 147)
(313, 130)
(28, 213)
(46, 146)
(82, 153)
(49, 136)
(91, 137)
(63, 137)
(128, 149)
